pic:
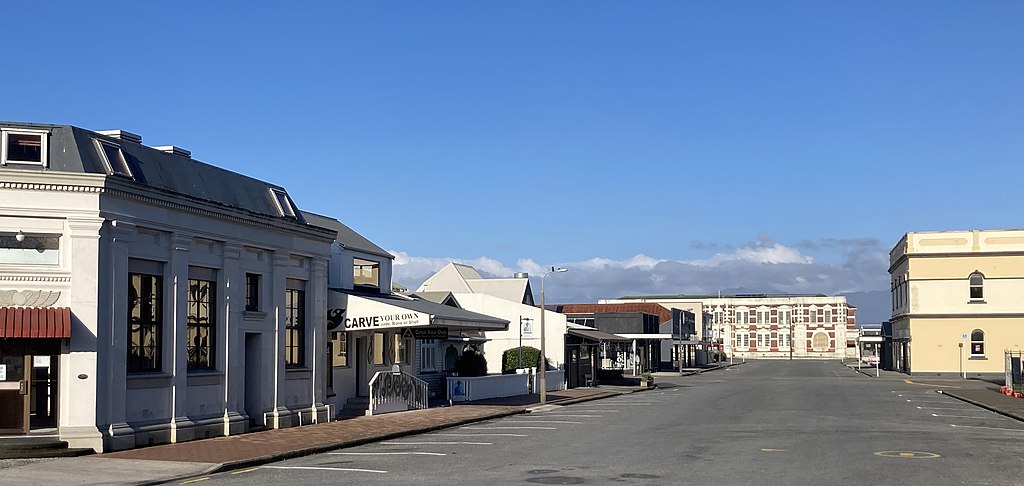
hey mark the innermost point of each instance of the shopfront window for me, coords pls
(377, 351)
(339, 348)
(202, 319)
(145, 321)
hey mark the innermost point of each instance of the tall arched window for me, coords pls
(977, 282)
(977, 342)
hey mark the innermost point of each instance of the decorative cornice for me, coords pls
(32, 278)
(36, 186)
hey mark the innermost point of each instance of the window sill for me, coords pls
(254, 315)
(978, 358)
(148, 380)
(977, 301)
(204, 377)
(298, 374)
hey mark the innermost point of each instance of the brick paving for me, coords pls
(261, 447)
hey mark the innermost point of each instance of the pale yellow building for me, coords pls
(957, 301)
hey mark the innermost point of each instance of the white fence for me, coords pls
(554, 380)
(394, 392)
(467, 389)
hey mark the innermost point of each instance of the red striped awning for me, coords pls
(35, 322)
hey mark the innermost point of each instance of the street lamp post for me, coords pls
(543, 357)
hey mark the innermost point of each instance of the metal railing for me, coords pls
(1014, 367)
(392, 392)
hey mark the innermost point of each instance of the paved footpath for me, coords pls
(170, 462)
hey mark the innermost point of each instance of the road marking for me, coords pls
(324, 468)
(931, 402)
(908, 454)
(545, 422)
(573, 415)
(509, 428)
(387, 454)
(958, 416)
(190, 481)
(559, 412)
(478, 435)
(243, 471)
(929, 384)
(451, 442)
(983, 427)
(942, 408)
(774, 450)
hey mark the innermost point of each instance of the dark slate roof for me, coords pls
(71, 149)
(346, 236)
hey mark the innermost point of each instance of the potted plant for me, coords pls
(647, 379)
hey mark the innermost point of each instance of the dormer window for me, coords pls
(366, 273)
(284, 205)
(113, 159)
(26, 147)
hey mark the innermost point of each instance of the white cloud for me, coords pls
(761, 266)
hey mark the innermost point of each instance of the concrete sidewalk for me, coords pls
(170, 462)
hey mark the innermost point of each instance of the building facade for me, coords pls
(181, 297)
(775, 326)
(956, 302)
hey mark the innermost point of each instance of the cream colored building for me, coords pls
(957, 300)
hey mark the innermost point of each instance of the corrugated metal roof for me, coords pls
(35, 322)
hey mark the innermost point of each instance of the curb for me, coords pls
(257, 461)
(983, 405)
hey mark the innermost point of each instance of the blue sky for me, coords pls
(757, 145)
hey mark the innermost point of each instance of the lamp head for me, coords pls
(559, 269)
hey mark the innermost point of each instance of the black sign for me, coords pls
(430, 333)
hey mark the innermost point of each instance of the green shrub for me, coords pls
(531, 359)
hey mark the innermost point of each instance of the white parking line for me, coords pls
(983, 427)
(387, 454)
(572, 415)
(931, 402)
(509, 428)
(317, 468)
(942, 408)
(958, 416)
(450, 442)
(546, 422)
(583, 410)
(478, 435)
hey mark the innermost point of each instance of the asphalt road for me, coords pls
(766, 422)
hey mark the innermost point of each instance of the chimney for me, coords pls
(171, 149)
(521, 275)
(122, 135)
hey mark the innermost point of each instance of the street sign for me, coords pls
(963, 337)
(526, 328)
(430, 333)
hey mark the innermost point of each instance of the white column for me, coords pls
(316, 322)
(182, 428)
(84, 388)
(232, 341)
(279, 283)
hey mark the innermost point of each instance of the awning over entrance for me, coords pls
(595, 335)
(362, 312)
(35, 322)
